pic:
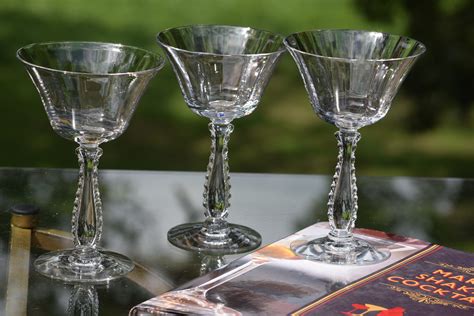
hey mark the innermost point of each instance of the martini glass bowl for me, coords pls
(89, 91)
(222, 71)
(351, 78)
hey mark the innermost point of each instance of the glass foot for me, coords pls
(236, 239)
(357, 252)
(61, 265)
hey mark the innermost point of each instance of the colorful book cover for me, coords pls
(417, 279)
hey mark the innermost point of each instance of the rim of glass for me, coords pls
(422, 46)
(282, 48)
(159, 58)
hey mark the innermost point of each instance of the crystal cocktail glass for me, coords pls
(89, 91)
(351, 78)
(222, 71)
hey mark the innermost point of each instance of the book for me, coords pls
(418, 279)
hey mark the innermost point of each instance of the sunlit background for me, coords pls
(428, 132)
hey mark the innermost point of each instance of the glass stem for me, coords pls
(87, 212)
(342, 205)
(84, 301)
(211, 263)
(217, 187)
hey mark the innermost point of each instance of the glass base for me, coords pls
(62, 265)
(356, 252)
(236, 239)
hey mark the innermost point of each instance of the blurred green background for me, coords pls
(428, 132)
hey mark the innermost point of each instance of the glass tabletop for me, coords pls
(141, 206)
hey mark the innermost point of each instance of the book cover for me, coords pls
(417, 279)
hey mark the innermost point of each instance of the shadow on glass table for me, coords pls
(141, 206)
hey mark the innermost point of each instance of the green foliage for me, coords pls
(283, 135)
(446, 27)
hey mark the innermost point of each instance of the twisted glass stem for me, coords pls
(211, 263)
(84, 301)
(217, 186)
(87, 212)
(342, 205)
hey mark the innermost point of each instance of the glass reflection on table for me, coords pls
(140, 207)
